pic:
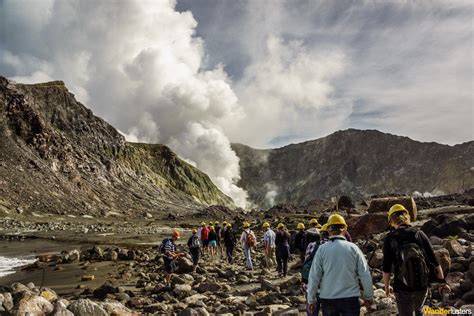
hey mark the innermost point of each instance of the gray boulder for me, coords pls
(32, 305)
(86, 307)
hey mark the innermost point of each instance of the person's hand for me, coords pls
(311, 308)
(388, 291)
(368, 304)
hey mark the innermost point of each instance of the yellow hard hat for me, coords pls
(229, 225)
(336, 219)
(210, 224)
(194, 231)
(395, 209)
(265, 225)
(224, 223)
(203, 224)
(246, 225)
(313, 221)
(280, 226)
(318, 226)
(324, 228)
(216, 222)
(300, 226)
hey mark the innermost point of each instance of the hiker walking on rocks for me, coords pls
(248, 241)
(308, 262)
(337, 269)
(218, 229)
(282, 243)
(322, 239)
(194, 244)
(204, 237)
(409, 251)
(229, 242)
(212, 243)
(313, 233)
(269, 244)
(169, 255)
(221, 239)
(300, 242)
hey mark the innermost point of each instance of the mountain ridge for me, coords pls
(352, 162)
(57, 156)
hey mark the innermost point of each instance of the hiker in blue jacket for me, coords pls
(337, 269)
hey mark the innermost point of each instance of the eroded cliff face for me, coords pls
(355, 163)
(57, 157)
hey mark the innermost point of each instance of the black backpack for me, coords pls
(413, 271)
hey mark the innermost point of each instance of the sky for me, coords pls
(199, 74)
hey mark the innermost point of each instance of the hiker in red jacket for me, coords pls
(204, 237)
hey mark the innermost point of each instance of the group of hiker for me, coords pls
(332, 267)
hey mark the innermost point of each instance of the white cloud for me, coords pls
(138, 65)
(406, 66)
(286, 91)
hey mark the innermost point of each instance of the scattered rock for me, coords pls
(49, 295)
(367, 224)
(208, 287)
(88, 277)
(73, 255)
(193, 299)
(86, 307)
(102, 291)
(376, 259)
(445, 225)
(32, 305)
(184, 265)
(454, 247)
(444, 260)
(468, 297)
(7, 301)
(287, 312)
(111, 255)
(383, 205)
(182, 290)
(436, 241)
(345, 202)
(115, 308)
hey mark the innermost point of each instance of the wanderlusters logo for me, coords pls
(446, 311)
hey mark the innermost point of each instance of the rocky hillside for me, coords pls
(355, 163)
(57, 157)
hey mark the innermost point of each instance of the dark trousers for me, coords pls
(410, 302)
(195, 255)
(348, 306)
(229, 250)
(282, 256)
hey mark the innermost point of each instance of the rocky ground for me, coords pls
(122, 274)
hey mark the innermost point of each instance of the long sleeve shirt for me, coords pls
(337, 268)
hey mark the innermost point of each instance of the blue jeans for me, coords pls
(248, 257)
(348, 306)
